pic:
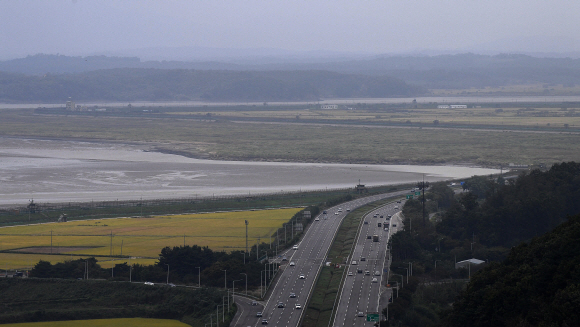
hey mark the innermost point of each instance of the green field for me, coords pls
(482, 136)
(140, 238)
(120, 322)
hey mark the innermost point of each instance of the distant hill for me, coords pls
(137, 84)
(537, 285)
(437, 72)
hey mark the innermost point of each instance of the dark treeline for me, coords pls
(483, 223)
(537, 285)
(130, 84)
(33, 300)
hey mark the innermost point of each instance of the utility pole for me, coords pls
(258, 249)
(246, 241)
(422, 186)
(50, 245)
(111, 247)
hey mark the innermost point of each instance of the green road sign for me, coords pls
(418, 193)
(410, 196)
(372, 316)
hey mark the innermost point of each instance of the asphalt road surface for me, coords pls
(366, 275)
(308, 259)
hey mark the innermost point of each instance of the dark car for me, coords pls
(259, 314)
(264, 321)
(280, 305)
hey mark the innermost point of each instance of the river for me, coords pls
(70, 171)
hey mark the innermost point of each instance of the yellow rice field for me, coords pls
(120, 322)
(140, 238)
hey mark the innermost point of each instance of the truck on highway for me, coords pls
(375, 238)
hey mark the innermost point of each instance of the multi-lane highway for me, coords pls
(280, 308)
(366, 271)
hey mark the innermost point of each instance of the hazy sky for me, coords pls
(80, 27)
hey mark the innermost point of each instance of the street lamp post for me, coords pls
(436, 268)
(198, 276)
(402, 282)
(246, 282)
(225, 278)
(234, 290)
(407, 269)
(167, 282)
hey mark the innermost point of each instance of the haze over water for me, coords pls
(67, 171)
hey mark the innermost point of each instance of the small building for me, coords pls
(62, 218)
(70, 106)
(468, 262)
(329, 106)
(360, 188)
(306, 214)
(443, 106)
(458, 106)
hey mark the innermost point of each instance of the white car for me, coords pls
(317, 219)
(292, 263)
(360, 314)
(149, 283)
(298, 306)
(295, 247)
(302, 277)
(374, 280)
(350, 273)
(336, 213)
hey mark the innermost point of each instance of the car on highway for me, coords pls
(295, 247)
(399, 201)
(394, 225)
(360, 314)
(302, 276)
(336, 213)
(339, 209)
(350, 273)
(149, 283)
(298, 306)
(254, 303)
(382, 216)
(347, 209)
(377, 273)
(280, 304)
(368, 273)
(374, 280)
(284, 258)
(292, 264)
(396, 207)
(366, 222)
(259, 314)
(354, 262)
(359, 271)
(369, 237)
(292, 294)
(264, 321)
(389, 216)
(363, 259)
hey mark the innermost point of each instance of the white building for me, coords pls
(458, 106)
(328, 106)
(466, 263)
(443, 106)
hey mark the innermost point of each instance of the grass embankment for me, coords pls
(119, 322)
(320, 308)
(141, 238)
(29, 300)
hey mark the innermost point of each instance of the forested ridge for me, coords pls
(137, 84)
(502, 224)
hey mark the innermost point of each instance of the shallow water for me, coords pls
(63, 171)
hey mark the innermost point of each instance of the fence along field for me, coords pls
(139, 238)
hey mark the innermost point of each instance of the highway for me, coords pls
(308, 259)
(366, 278)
